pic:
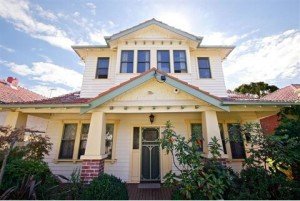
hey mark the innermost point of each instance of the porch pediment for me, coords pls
(154, 88)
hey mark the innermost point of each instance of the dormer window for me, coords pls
(143, 61)
(102, 68)
(126, 61)
(163, 60)
(179, 61)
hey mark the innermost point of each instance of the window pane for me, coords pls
(164, 67)
(136, 138)
(223, 138)
(69, 131)
(203, 63)
(236, 141)
(196, 135)
(67, 143)
(109, 140)
(180, 67)
(179, 55)
(204, 73)
(66, 149)
(142, 67)
(143, 56)
(83, 139)
(127, 56)
(127, 68)
(163, 56)
(103, 63)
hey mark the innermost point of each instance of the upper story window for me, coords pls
(163, 60)
(102, 67)
(143, 61)
(126, 61)
(179, 61)
(204, 67)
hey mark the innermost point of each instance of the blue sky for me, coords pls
(35, 36)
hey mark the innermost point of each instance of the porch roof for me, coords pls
(86, 104)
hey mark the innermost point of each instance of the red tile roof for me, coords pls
(287, 94)
(10, 94)
(71, 98)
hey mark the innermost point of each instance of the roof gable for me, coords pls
(149, 23)
(153, 73)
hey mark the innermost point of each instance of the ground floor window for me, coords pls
(223, 138)
(109, 140)
(68, 141)
(196, 135)
(236, 141)
(83, 139)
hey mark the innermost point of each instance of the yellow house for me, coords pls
(143, 77)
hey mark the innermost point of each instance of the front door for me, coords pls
(150, 155)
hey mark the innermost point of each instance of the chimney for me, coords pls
(13, 82)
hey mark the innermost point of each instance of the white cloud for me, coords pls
(18, 12)
(46, 14)
(49, 91)
(92, 7)
(176, 19)
(219, 38)
(46, 58)
(269, 59)
(48, 73)
(98, 36)
(7, 48)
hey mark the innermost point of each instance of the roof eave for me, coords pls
(42, 105)
(260, 103)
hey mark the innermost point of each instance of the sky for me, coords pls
(36, 36)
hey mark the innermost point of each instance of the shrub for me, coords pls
(16, 170)
(105, 187)
(199, 177)
(256, 183)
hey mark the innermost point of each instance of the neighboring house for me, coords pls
(143, 77)
(289, 93)
(11, 92)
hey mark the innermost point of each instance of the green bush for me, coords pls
(105, 187)
(17, 169)
(256, 183)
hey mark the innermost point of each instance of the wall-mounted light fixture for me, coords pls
(151, 118)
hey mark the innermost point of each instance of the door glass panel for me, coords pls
(136, 138)
(150, 155)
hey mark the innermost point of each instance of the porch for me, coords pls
(136, 193)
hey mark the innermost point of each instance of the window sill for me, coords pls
(111, 161)
(66, 160)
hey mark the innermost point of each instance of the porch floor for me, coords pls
(136, 193)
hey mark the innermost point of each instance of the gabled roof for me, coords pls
(288, 93)
(142, 78)
(152, 22)
(9, 94)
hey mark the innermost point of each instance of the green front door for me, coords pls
(150, 155)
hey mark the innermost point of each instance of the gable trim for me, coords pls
(152, 22)
(152, 73)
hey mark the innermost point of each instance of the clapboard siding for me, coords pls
(91, 87)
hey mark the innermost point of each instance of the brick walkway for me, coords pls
(136, 193)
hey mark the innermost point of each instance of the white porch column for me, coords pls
(210, 128)
(93, 159)
(16, 120)
(95, 147)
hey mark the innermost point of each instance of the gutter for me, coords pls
(260, 103)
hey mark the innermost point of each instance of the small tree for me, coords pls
(35, 147)
(256, 88)
(198, 177)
